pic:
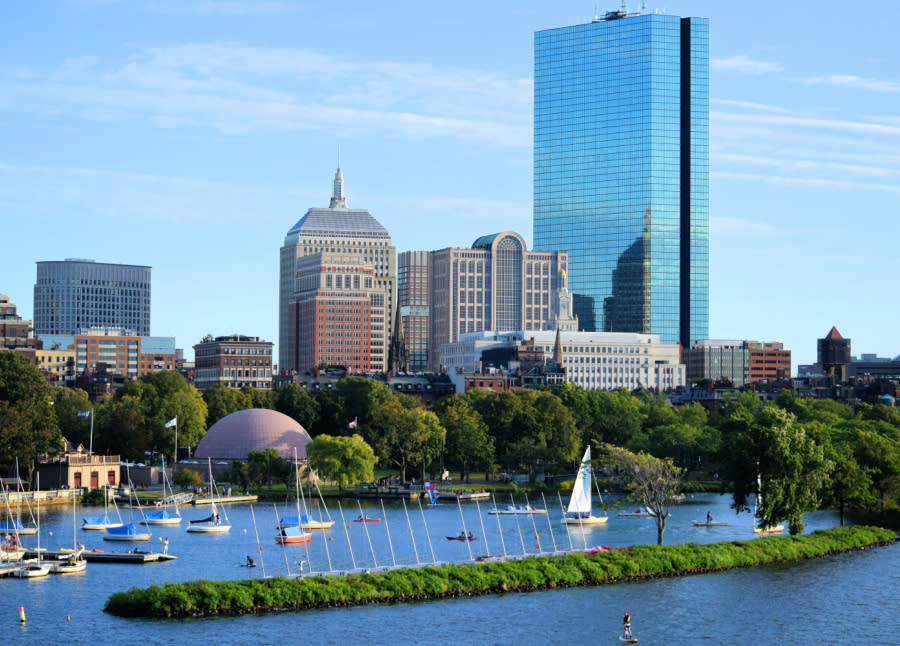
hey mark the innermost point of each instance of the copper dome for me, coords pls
(255, 429)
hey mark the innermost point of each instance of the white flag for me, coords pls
(172, 422)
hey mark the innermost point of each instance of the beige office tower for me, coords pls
(496, 285)
(357, 237)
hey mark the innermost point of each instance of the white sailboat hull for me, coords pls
(68, 568)
(590, 520)
(98, 527)
(209, 529)
(32, 571)
(161, 521)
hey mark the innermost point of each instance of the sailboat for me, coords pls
(32, 568)
(72, 563)
(302, 519)
(162, 516)
(757, 529)
(295, 533)
(102, 521)
(579, 510)
(15, 524)
(212, 524)
(127, 532)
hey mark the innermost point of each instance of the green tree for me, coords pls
(188, 479)
(772, 457)
(294, 401)
(67, 403)
(654, 482)
(406, 434)
(345, 460)
(850, 485)
(159, 397)
(618, 417)
(28, 426)
(257, 398)
(468, 441)
(222, 401)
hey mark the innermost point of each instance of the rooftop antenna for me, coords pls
(624, 8)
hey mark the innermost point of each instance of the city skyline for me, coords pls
(180, 135)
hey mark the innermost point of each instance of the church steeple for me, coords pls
(338, 201)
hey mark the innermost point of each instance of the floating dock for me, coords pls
(127, 557)
(388, 493)
(223, 500)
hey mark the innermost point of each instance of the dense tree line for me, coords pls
(795, 454)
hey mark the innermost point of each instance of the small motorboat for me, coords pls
(462, 537)
(637, 513)
(521, 510)
(293, 536)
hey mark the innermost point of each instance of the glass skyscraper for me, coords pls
(621, 170)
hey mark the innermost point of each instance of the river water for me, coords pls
(827, 600)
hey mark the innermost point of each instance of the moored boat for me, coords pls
(513, 510)
(212, 524)
(124, 533)
(579, 511)
(293, 536)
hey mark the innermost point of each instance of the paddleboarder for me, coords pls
(627, 622)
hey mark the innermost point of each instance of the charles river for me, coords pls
(826, 601)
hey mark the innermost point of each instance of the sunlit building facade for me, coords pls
(621, 170)
(342, 230)
(497, 284)
(73, 295)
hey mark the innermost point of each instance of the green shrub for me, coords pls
(436, 582)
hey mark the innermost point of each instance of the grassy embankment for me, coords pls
(204, 598)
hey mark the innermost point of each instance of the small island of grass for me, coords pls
(207, 598)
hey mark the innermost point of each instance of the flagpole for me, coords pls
(175, 461)
(91, 442)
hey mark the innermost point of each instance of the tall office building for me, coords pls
(412, 303)
(336, 230)
(73, 295)
(621, 170)
(496, 285)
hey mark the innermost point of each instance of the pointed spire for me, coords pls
(338, 201)
(557, 350)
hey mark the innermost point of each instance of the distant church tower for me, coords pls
(398, 353)
(562, 315)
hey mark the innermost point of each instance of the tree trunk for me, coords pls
(660, 528)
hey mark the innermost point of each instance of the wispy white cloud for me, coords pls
(237, 88)
(841, 125)
(731, 103)
(786, 164)
(856, 83)
(810, 182)
(744, 65)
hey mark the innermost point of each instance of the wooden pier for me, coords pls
(127, 557)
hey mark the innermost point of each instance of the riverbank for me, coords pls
(209, 598)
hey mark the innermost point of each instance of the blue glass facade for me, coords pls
(621, 170)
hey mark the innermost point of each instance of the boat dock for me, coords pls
(223, 500)
(390, 492)
(127, 557)
(463, 495)
(101, 557)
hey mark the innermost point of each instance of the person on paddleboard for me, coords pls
(708, 518)
(627, 622)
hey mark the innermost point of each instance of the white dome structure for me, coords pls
(255, 429)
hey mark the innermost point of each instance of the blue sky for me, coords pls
(190, 135)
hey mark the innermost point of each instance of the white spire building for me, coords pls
(359, 240)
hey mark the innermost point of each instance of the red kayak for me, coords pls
(366, 519)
